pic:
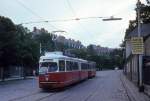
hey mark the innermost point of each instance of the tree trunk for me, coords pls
(2, 74)
(24, 73)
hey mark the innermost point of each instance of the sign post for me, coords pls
(138, 49)
(137, 45)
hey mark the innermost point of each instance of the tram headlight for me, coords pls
(46, 78)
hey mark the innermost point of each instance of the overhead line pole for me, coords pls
(140, 59)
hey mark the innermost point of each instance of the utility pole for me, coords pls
(140, 56)
(40, 49)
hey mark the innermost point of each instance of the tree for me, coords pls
(79, 53)
(8, 42)
(144, 16)
(45, 39)
(90, 50)
(28, 49)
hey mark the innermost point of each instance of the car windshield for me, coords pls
(48, 67)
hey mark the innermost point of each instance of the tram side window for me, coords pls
(75, 66)
(61, 65)
(83, 66)
(71, 65)
(68, 65)
(86, 66)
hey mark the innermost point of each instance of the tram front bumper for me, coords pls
(51, 84)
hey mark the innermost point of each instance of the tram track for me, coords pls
(42, 98)
(18, 98)
(44, 95)
(33, 94)
(92, 93)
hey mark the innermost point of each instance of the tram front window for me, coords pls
(43, 70)
(48, 67)
(52, 67)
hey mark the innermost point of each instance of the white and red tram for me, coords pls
(57, 70)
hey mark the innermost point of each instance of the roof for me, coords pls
(59, 55)
(145, 31)
(53, 56)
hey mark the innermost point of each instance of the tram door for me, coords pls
(146, 70)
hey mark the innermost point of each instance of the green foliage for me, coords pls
(7, 42)
(79, 53)
(144, 16)
(144, 13)
(28, 49)
(91, 50)
(115, 59)
(45, 39)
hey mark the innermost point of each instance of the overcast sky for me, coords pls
(89, 31)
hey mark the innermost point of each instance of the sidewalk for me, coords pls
(18, 78)
(147, 89)
(132, 90)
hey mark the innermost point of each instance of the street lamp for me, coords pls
(112, 18)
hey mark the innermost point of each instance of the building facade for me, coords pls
(101, 50)
(70, 43)
(131, 68)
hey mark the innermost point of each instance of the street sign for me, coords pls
(137, 45)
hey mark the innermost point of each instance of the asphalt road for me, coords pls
(106, 86)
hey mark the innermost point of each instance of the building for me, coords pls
(71, 43)
(37, 31)
(101, 50)
(131, 66)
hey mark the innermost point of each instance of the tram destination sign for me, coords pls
(137, 45)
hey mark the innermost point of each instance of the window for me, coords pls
(75, 66)
(48, 67)
(52, 67)
(84, 66)
(43, 70)
(61, 65)
(44, 64)
(68, 66)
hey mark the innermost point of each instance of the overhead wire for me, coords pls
(63, 20)
(71, 8)
(74, 13)
(32, 12)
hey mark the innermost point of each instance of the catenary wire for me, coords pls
(32, 12)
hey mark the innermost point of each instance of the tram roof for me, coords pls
(59, 55)
(54, 56)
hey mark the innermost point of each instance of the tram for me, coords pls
(57, 70)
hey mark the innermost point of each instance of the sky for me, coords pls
(88, 31)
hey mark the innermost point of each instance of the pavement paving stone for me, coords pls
(132, 90)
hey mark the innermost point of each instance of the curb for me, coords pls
(20, 78)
